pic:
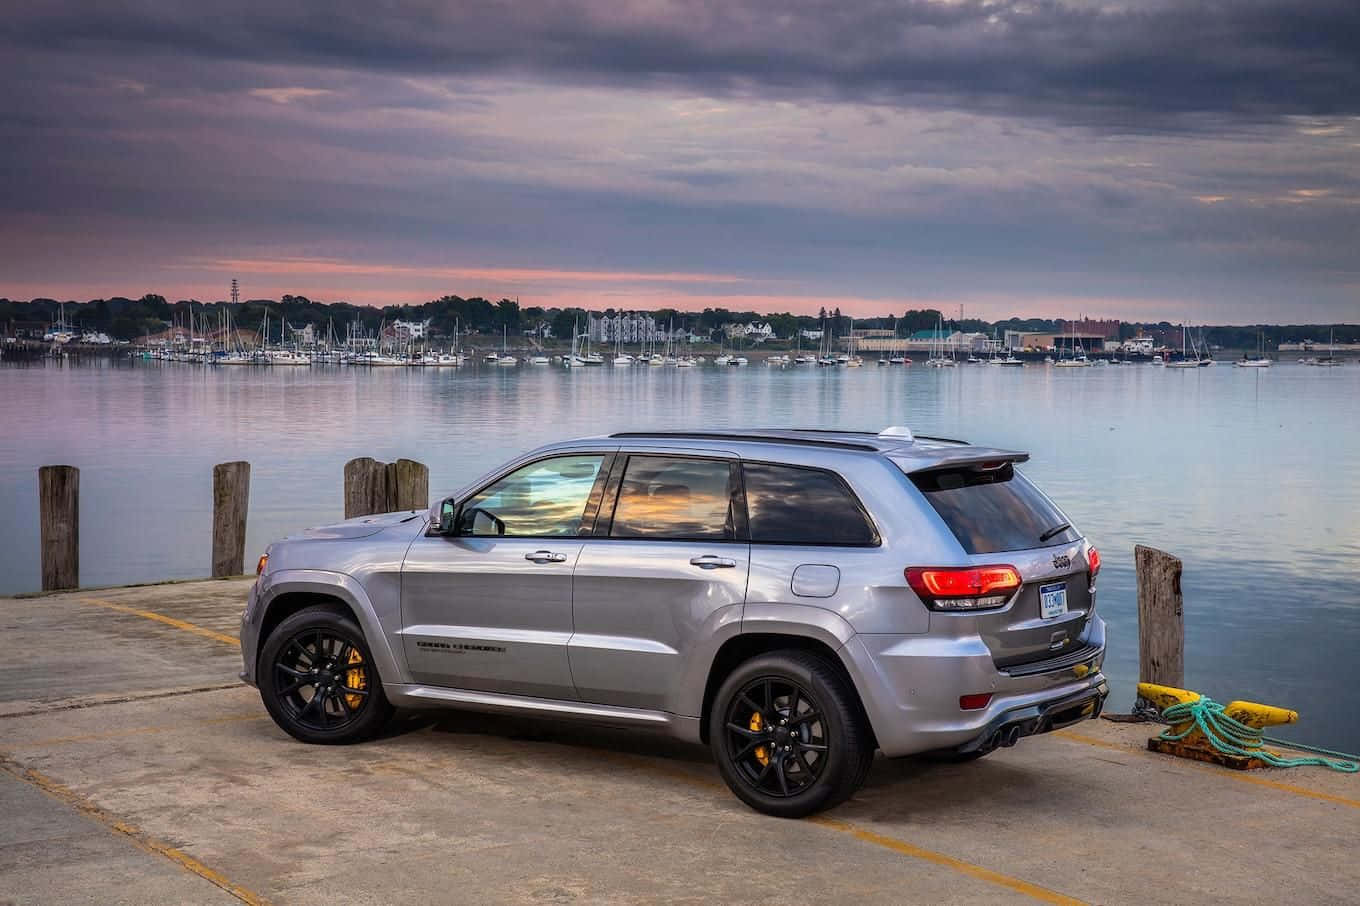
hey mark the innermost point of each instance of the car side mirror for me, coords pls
(448, 517)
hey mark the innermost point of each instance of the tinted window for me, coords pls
(787, 505)
(993, 510)
(664, 497)
(547, 497)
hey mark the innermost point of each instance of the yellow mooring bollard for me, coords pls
(1194, 744)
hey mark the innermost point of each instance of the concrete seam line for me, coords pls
(139, 837)
(162, 618)
(119, 700)
(1034, 891)
(134, 731)
(1230, 775)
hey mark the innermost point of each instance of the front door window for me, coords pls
(543, 499)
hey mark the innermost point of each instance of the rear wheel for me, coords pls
(318, 680)
(787, 734)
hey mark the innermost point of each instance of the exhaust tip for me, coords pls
(1010, 736)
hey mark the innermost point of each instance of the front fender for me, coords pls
(391, 662)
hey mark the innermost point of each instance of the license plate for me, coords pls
(1053, 600)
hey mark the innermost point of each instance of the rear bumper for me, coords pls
(910, 687)
(1031, 720)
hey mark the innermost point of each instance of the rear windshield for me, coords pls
(993, 510)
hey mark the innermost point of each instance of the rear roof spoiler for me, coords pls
(982, 458)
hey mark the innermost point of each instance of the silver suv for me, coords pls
(794, 599)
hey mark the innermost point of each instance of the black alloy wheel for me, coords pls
(777, 736)
(318, 680)
(788, 734)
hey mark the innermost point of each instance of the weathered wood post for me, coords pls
(231, 499)
(365, 487)
(1161, 620)
(408, 485)
(59, 526)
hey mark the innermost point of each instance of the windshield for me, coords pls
(994, 510)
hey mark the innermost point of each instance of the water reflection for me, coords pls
(1251, 476)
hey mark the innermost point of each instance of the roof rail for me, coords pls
(752, 438)
(943, 440)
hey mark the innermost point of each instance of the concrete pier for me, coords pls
(134, 768)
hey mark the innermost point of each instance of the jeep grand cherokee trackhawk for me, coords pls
(794, 599)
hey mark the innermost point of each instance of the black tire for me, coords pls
(814, 712)
(346, 704)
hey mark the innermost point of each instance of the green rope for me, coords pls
(1233, 737)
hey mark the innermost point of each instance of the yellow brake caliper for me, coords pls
(762, 754)
(354, 679)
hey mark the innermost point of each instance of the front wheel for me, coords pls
(318, 680)
(787, 735)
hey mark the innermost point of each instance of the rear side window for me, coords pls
(790, 505)
(672, 498)
(991, 510)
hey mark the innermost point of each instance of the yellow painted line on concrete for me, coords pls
(1296, 790)
(138, 836)
(162, 618)
(132, 731)
(1034, 891)
(1239, 776)
(1093, 741)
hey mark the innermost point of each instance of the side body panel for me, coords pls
(641, 611)
(480, 615)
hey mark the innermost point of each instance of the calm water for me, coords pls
(1252, 477)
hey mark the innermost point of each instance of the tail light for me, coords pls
(975, 702)
(966, 588)
(1093, 562)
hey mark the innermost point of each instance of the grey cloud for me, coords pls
(1130, 65)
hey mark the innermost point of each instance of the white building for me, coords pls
(623, 328)
(811, 333)
(755, 331)
(304, 336)
(410, 330)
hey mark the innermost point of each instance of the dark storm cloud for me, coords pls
(1120, 64)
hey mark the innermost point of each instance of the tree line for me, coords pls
(128, 319)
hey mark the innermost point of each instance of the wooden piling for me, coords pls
(231, 499)
(365, 487)
(59, 526)
(1161, 620)
(408, 485)
(385, 487)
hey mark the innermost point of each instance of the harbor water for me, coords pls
(1251, 476)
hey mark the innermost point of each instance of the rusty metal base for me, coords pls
(1212, 756)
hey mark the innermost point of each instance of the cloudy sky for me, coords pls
(1158, 159)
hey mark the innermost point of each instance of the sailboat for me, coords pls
(1329, 360)
(853, 360)
(1185, 361)
(1260, 360)
(937, 357)
(506, 360)
(1078, 359)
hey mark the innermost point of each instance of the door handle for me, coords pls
(546, 557)
(708, 561)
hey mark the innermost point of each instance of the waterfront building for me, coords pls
(756, 332)
(408, 330)
(624, 327)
